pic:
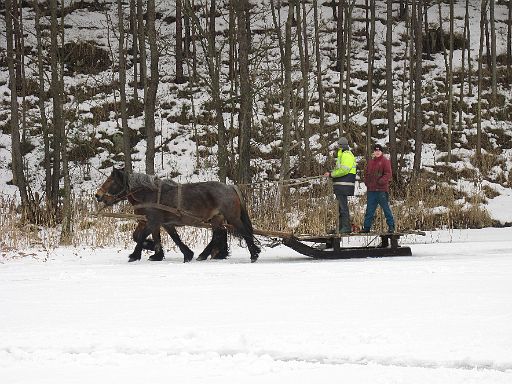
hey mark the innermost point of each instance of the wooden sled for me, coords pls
(329, 246)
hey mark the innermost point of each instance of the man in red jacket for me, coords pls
(377, 176)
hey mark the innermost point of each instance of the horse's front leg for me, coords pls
(159, 252)
(140, 237)
(148, 244)
(187, 252)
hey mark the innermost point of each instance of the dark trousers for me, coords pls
(344, 214)
(375, 199)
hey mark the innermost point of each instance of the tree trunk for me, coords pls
(150, 105)
(141, 30)
(135, 49)
(389, 88)
(483, 12)
(341, 15)
(487, 42)
(287, 90)
(494, 86)
(277, 29)
(66, 228)
(509, 40)
(58, 123)
(428, 42)
(369, 89)
(340, 46)
(470, 67)
(17, 159)
(462, 71)
(349, 23)
(41, 101)
(244, 117)
(304, 66)
(320, 87)
(450, 86)
(179, 44)
(122, 90)
(418, 120)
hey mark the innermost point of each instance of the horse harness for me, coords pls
(178, 210)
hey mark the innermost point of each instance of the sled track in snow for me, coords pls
(75, 354)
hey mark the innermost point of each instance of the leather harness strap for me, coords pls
(159, 193)
(178, 197)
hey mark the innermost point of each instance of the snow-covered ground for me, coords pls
(87, 316)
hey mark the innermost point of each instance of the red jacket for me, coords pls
(377, 174)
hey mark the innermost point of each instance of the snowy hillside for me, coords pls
(94, 134)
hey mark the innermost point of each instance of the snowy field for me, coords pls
(87, 316)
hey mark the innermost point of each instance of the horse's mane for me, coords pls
(141, 180)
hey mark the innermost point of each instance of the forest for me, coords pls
(254, 93)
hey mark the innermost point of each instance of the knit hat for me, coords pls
(379, 147)
(343, 142)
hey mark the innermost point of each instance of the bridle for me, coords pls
(119, 196)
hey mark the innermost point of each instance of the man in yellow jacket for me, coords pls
(344, 181)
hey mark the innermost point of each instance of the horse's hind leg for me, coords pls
(187, 252)
(159, 252)
(243, 228)
(220, 249)
(218, 245)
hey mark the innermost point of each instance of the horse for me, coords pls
(168, 204)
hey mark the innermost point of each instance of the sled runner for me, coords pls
(331, 246)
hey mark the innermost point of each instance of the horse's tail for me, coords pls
(244, 215)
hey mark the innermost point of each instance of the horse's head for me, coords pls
(114, 189)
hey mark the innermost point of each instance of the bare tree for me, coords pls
(318, 60)
(304, 65)
(494, 87)
(17, 160)
(179, 44)
(483, 17)
(390, 89)
(135, 49)
(150, 102)
(244, 117)
(417, 6)
(122, 89)
(509, 40)
(41, 101)
(57, 97)
(450, 86)
(463, 69)
(277, 28)
(369, 88)
(348, 28)
(287, 90)
(141, 31)
(340, 43)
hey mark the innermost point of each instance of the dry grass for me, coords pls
(304, 208)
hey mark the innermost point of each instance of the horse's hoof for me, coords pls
(133, 258)
(156, 257)
(220, 256)
(188, 257)
(202, 257)
(254, 258)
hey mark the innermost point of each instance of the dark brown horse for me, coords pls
(168, 204)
